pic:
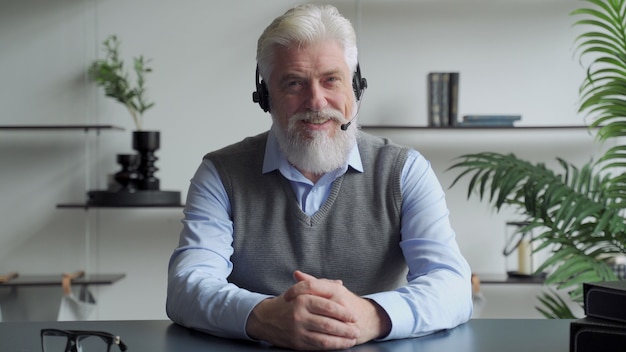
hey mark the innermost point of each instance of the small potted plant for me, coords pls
(111, 74)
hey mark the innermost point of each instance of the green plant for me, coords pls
(110, 74)
(578, 212)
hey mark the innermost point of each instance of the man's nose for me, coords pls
(317, 98)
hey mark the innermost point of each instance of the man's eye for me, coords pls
(333, 81)
(293, 86)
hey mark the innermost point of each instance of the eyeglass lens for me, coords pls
(82, 343)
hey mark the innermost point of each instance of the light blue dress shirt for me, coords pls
(438, 293)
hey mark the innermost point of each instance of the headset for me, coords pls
(262, 96)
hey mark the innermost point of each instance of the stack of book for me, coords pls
(489, 120)
(604, 325)
(443, 99)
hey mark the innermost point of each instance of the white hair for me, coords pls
(304, 25)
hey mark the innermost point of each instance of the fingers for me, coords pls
(320, 314)
(325, 307)
(302, 276)
(295, 325)
(308, 284)
(333, 300)
(328, 338)
(314, 341)
(326, 325)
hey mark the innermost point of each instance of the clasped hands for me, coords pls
(317, 314)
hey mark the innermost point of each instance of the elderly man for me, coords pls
(315, 235)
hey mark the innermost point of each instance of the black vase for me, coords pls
(146, 143)
(128, 176)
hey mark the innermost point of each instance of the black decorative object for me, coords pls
(128, 176)
(138, 185)
(146, 143)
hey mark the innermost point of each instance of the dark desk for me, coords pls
(481, 335)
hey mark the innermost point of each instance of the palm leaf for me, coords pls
(556, 307)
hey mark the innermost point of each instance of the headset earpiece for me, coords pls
(261, 95)
(358, 83)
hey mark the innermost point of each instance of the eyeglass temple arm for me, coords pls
(118, 341)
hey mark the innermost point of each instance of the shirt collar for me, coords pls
(274, 158)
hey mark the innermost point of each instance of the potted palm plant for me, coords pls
(578, 212)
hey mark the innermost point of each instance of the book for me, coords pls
(453, 114)
(485, 124)
(443, 98)
(434, 99)
(510, 118)
(591, 335)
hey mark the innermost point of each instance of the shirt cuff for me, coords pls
(396, 307)
(246, 307)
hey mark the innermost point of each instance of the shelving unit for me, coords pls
(55, 280)
(35, 295)
(85, 128)
(87, 206)
(505, 279)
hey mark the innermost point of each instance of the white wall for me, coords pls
(514, 57)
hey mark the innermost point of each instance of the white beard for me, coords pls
(315, 151)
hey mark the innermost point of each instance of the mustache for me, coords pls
(329, 113)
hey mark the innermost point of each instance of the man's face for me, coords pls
(311, 79)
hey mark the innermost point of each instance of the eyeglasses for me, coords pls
(55, 340)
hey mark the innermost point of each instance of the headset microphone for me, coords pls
(344, 127)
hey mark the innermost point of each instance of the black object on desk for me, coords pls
(604, 327)
(605, 300)
(591, 334)
(480, 335)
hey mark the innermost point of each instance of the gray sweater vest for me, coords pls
(354, 236)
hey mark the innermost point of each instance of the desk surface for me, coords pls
(480, 335)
